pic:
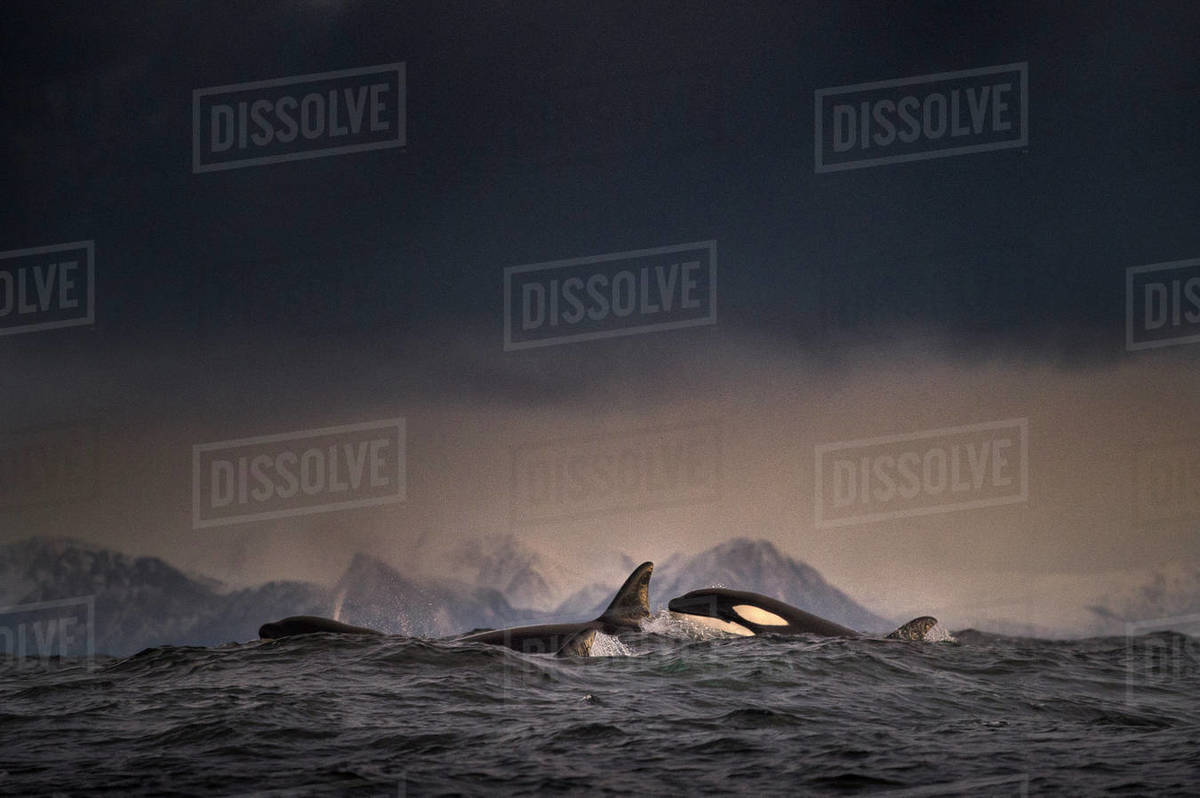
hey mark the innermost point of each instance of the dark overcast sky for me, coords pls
(97, 132)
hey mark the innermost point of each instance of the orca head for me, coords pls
(270, 631)
(728, 611)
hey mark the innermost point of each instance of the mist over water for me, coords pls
(1038, 562)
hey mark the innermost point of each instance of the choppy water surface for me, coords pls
(329, 715)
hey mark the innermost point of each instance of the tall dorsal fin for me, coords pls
(632, 602)
(916, 629)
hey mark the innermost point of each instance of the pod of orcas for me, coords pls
(735, 611)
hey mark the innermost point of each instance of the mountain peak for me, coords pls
(138, 601)
(750, 549)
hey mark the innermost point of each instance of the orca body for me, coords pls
(744, 613)
(628, 609)
(307, 625)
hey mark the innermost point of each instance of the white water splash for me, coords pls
(337, 605)
(681, 627)
(939, 634)
(608, 646)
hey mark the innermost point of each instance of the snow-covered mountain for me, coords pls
(144, 601)
(138, 601)
(591, 600)
(538, 579)
(372, 593)
(1168, 596)
(504, 564)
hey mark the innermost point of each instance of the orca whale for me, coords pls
(628, 609)
(307, 625)
(744, 613)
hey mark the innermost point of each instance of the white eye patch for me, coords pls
(759, 616)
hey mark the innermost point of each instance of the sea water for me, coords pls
(673, 712)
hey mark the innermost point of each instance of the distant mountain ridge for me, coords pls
(144, 601)
(507, 565)
(372, 593)
(1169, 595)
(140, 601)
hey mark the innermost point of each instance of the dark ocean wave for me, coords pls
(332, 715)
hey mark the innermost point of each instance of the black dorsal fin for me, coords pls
(632, 602)
(916, 629)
